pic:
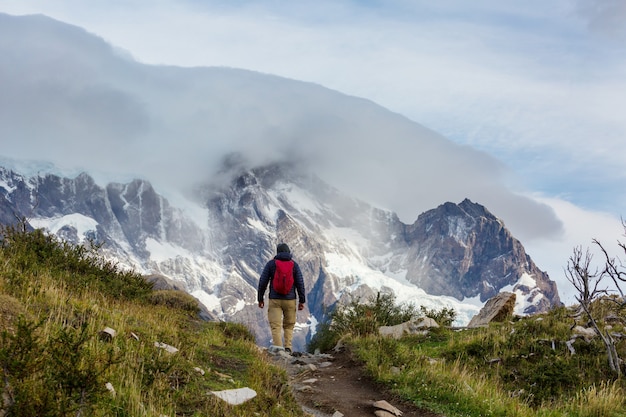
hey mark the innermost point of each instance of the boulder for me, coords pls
(586, 333)
(496, 309)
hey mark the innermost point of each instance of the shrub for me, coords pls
(175, 299)
(56, 375)
(444, 317)
(361, 319)
(10, 310)
(235, 331)
(82, 268)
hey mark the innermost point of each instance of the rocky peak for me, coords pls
(466, 251)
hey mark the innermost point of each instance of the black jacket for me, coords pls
(268, 274)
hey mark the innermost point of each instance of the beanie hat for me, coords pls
(282, 248)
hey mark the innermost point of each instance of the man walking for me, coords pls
(281, 311)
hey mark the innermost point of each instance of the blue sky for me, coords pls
(540, 86)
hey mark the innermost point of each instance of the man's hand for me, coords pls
(261, 304)
(300, 306)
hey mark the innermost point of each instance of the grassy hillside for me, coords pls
(55, 301)
(55, 360)
(522, 367)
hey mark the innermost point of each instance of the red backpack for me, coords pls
(283, 277)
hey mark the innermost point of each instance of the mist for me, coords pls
(72, 99)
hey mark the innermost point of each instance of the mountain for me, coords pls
(195, 174)
(216, 244)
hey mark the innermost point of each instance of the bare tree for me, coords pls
(585, 281)
(614, 267)
(587, 284)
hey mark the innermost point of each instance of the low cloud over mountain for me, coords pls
(72, 99)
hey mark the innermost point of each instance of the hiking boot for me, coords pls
(288, 350)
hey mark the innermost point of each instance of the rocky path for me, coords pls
(336, 385)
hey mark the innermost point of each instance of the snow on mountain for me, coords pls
(527, 293)
(83, 225)
(345, 247)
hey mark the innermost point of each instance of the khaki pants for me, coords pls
(282, 316)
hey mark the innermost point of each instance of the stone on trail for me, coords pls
(387, 409)
(235, 396)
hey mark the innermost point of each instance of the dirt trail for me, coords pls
(339, 383)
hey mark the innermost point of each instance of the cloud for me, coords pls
(527, 95)
(581, 227)
(605, 17)
(174, 125)
(500, 77)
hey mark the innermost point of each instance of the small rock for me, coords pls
(110, 388)
(312, 367)
(199, 370)
(337, 414)
(235, 396)
(339, 346)
(587, 333)
(284, 354)
(107, 333)
(170, 349)
(385, 406)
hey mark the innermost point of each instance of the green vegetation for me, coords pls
(55, 300)
(518, 368)
(360, 319)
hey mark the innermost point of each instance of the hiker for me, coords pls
(281, 311)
